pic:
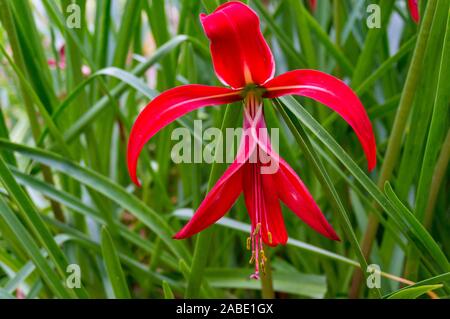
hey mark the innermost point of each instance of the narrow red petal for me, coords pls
(275, 221)
(261, 198)
(333, 93)
(313, 4)
(414, 10)
(222, 196)
(166, 108)
(239, 52)
(217, 203)
(296, 196)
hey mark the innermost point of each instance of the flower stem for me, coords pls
(266, 278)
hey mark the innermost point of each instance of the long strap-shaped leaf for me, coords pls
(108, 188)
(412, 228)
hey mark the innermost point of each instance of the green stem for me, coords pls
(438, 176)
(266, 278)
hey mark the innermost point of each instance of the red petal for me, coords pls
(313, 4)
(218, 201)
(222, 196)
(239, 52)
(295, 195)
(271, 219)
(414, 10)
(166, 108)
(335, 94)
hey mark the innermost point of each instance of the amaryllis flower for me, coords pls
(243, 61)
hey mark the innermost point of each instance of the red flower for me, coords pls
(414, 10)
(242, 60)
(313, 4)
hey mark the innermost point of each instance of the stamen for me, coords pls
(252, 259)
(269, 235)
(249, 242)
(263, 257)
(256, 231)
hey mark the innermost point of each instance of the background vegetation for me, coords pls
(66, 197)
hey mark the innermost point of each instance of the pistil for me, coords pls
(254, 114)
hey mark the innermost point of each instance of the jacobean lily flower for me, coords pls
(243, 61)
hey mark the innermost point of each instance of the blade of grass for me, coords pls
(108, 188)
(113, 267)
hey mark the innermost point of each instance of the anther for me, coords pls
(263, 257)
(256, 231)
(249, 241)
(269, 235)
(252, 259)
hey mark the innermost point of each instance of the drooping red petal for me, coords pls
(239, 52)
(261, 199)
(414, 10)
(290, 189)
(333, 93)
(218, 201)
(295, 195)
(222, 196)
(166, 108)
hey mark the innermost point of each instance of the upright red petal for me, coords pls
(295, 195)
(166, 108)
(239, 52)
(333, 93)
(414, 10)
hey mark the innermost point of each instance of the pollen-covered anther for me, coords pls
(252, 259)
(257, 228)
(249, 243)
(263, 267)
(263, 256)
(269, 236)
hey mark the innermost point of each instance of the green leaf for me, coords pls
(306, 285)
(108, 188)
(113, 267)
(168, 293)
(413, 292)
